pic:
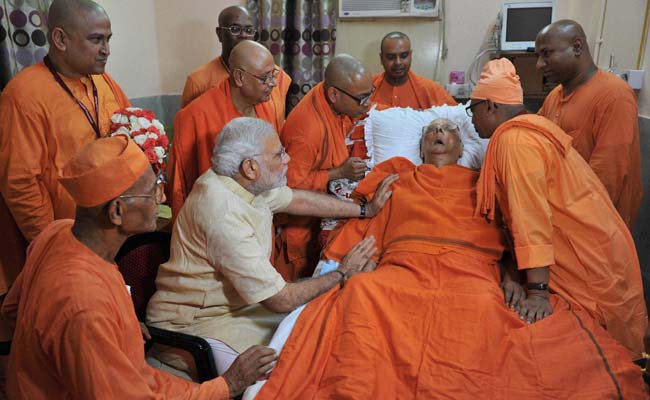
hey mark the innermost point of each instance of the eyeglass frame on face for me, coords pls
(242, 29)
(468, 109)
(281, 154)
(158, 191)
(360, 101)
(266, 80)
(429, 128)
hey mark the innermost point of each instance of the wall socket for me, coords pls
(634, 77)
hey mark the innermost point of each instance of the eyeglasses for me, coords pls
(238, 30)
(158, 191)
(281, 154)
(468, 109)
(266, 79)
(362, 101)
(447, 127)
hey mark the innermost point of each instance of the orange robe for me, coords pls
(602, 118)
(196, 128)
(315, 138)
(561, 216)
(202, 79)
(41, 128)
(76, 333)
(418, 92)
(431, 323)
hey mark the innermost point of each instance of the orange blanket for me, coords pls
(431, 323)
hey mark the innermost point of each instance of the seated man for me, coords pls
(430, 322)
(76, 333)
(219, 282)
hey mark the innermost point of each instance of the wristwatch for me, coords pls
(537, 286)
(362, 212)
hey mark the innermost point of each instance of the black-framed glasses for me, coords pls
(362, 101)
(157, 195)
(468, 109)
(266, 79)
(238, 30)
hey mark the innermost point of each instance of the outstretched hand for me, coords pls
(381, 196)
(248, 367)
(535, 307)
(359, 258)
(513, 293)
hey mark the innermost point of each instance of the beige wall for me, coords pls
(156, 43)
(644, 93)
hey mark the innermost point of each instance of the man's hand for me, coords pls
(248, 367)
(145, 332)
(536, 307)
(353, 168)
(381, 196)
(359, 259)
(513, 293)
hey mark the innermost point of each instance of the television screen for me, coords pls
(524, 23)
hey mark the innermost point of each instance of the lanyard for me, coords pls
(93, 122)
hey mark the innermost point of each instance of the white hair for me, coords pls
(239, 140)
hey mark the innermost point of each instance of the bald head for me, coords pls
(231, 14)
(394, 36)
(565, 30)
(67, 14)
(249, 55)
(343, 69)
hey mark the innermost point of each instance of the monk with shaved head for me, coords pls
(597, 109)
(48, 112)
(235, 26)
(398, 86)
(250, 91)
(315, 137)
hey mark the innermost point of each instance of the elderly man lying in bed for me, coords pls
(430, 321)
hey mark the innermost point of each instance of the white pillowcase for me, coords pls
(397, 131)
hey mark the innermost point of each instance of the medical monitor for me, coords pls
(520, 23)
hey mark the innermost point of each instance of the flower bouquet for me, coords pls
(146, 131)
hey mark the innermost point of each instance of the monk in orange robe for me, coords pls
(234, 26)
(430, 322)
(315, 137)
(76, 333)
(46, 115)
(398, 86)
(247, 93)
(597, 109)
(566, 233)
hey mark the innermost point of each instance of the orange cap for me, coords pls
(499, 82)
(103, 170)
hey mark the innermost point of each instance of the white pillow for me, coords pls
(397, 131)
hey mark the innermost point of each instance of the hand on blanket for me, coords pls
(536, 307)
(513, 293)
(359, 259)
(381, 196)
(248, 367)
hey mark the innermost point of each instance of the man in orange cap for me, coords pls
(597, 109)
(48, 112)
(398, 86)
(249, 92)
(76, 333)
(566, 233)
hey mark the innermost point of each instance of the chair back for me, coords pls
(138, 261)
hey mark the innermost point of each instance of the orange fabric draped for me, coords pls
(202, 79)
(601, 116)
(561, 216)
(41, 128)
(315, 139)
(431, 322)
(418, 93)
(76, 333)
(196, 128)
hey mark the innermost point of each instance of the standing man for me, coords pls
(234, 27)
(597, 109)
(566, 233)
(247, 92)
(77, 336)
(48, 112)
(398, 86)
(315, 138)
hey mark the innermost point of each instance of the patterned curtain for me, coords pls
(301, 35)
(23, 35)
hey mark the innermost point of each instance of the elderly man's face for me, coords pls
(259, 79)
(273, 161)
(141, 204)
(87, 47)
(441, 143)
(396, 59)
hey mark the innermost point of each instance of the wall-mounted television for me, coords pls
(521, 21)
